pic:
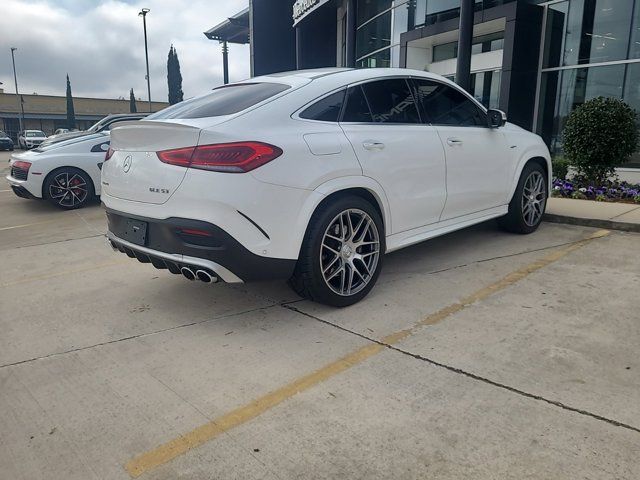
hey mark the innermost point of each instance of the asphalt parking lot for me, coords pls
(478, 355)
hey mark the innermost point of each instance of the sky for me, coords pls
(100, 44)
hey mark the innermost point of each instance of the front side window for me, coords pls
(327, 109)
(391, 101)
(225, 100)
(445, 105)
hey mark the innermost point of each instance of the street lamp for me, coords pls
(143, 14)
(15, 79)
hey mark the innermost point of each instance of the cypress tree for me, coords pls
(71, 114)
(174, 77)
(132, 102)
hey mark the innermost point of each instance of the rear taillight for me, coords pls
(238, 157)
(22, 165)
(109, 154)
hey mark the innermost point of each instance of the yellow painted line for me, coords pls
(190, 440)
(62, 273)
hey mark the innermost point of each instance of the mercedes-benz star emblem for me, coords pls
(126, 166)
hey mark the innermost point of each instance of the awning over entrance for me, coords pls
(234, 29)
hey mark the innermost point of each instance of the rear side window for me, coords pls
(444, 105)
(326, 109)
(356, 108)
(391, 101)
(222, 101)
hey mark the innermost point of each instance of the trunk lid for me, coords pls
(134, 172)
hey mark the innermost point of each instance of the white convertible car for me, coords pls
(66, 173)
(314, 176)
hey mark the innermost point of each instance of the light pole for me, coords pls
(143, 14)
(15, 79)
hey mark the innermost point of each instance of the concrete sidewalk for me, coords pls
(617, 216)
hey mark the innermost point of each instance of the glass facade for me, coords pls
(482, 44)
(380, 24)
(428, 12)
(590, 48)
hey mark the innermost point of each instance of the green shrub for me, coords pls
(599, 135)
(560, 166)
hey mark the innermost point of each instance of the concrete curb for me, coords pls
(592, 222)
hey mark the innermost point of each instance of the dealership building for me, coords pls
(536, 60)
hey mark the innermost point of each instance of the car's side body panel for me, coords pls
(75, 153)
(422, 186)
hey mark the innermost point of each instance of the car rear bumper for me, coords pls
(174, 243)
(22, 192)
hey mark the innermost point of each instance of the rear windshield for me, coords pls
(222, 101)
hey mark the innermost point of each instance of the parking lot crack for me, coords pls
(133, 337)
(467, 374)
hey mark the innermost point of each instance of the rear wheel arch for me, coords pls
(57, 169)
(361, 192)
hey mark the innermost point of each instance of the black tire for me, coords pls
(77, 195)
(308, 279)
(519, 219)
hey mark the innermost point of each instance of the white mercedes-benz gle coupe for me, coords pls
(314, 175)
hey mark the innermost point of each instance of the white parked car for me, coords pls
(28, 139)
(314, 176)
(67, 173)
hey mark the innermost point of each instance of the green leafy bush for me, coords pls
(560, 166)
(599, 135)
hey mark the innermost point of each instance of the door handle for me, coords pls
(454, 141)
(371, 145)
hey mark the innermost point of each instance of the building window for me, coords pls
(579, 33)
(367, 9)
(374, 35)
(587, 31)
(428, 12)
(377, 60)
(565, 90)
(482, 44)
(485, 87)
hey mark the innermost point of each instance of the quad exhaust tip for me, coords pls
(188, 273)
(205, 276)
(201, 275)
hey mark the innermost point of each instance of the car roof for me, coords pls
(346, 75)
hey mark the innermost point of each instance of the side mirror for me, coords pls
(496, 118)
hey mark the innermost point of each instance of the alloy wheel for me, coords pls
(349, 252)
(68, 189)
(534, 198)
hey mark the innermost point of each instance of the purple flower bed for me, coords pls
(610, 192)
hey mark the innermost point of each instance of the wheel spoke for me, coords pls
(350, 281)
(324, 245)
(334, 274)
(350, 225)
(333, 262)
(350, 252)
